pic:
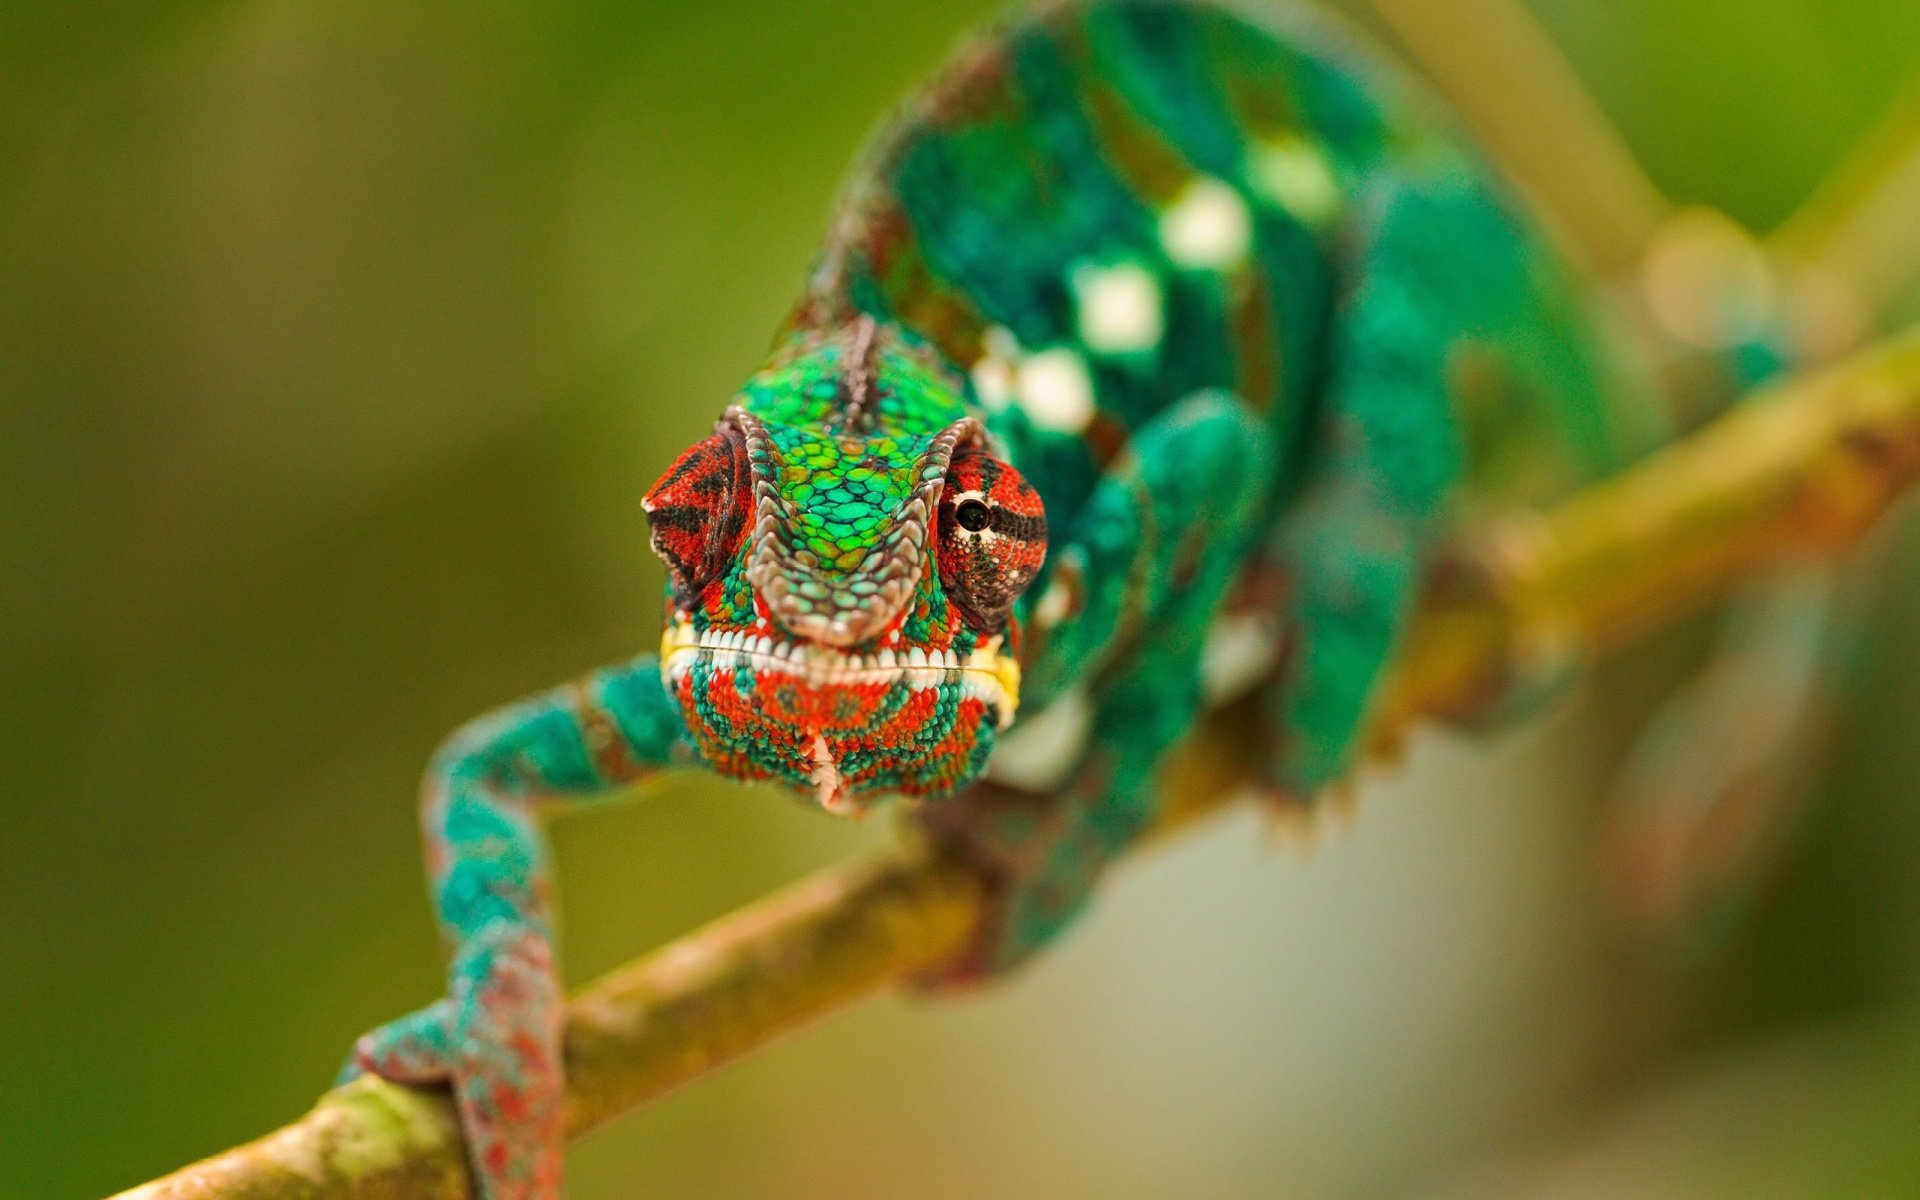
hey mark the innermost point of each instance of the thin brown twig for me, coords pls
(1860, 225)
(1802, 470)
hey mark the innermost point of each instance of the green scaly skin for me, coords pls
(1216, 294)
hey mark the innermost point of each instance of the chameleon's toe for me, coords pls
(496, 1041)
(411, 1050)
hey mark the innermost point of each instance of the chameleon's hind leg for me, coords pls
(1714, 784)
(1118, 681)
(495, 1038)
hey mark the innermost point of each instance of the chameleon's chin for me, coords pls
(843, 728)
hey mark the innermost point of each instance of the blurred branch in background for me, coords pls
(1860, 230)
(1825, 276)
(1801, 470)
(1502, 72)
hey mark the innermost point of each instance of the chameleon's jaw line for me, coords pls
(986, 674)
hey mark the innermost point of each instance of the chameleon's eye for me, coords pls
(698, 510)
(992, 537)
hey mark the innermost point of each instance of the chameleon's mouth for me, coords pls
(844, 725)
(985, 674)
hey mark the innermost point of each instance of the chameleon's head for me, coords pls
(844, 555)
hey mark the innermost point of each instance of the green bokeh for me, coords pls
(337, 345)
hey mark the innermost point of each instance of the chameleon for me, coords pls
(1156, 353)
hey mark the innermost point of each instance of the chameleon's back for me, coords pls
(1098, 209)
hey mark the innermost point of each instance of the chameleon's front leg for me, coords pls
(1117, 682)
(495, 1037)
(1354, 546)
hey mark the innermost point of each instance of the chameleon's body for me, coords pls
(1251, 325)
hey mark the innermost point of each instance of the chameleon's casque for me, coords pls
(844, 553)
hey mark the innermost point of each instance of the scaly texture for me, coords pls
(1154, 351)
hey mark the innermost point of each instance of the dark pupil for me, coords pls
(972, 515)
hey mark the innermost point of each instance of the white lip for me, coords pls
(984, 674)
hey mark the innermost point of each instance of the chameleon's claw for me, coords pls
(496, 1040)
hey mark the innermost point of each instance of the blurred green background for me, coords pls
(337, 344)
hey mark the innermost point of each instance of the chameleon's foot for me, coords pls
(1298, 825)
(1037, 868)
(496, 1041)
(1715, 787)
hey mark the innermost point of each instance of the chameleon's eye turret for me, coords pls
(699, 509)
(992, 537)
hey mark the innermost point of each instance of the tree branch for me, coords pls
(1803, 470)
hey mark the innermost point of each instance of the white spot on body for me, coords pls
(1239, 653)
(1051, 386)
(1208, 227)
(1039, 753)
(1055, 390)
(1296, 174)
(1119, 307)
(996, 373)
